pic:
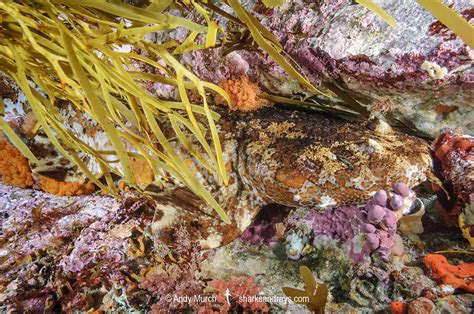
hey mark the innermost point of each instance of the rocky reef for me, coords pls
(319, 211)
(419, 73)
(95, 252)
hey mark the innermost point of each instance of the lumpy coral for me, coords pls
(14, 168)
(61, 188)
(244, 95)
(459, 276)
(370, 228)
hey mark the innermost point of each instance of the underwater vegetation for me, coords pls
(214, 209)
(71, 49)
(316, 293)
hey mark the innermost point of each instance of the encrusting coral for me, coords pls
(458, 276)
(244, 95)
(14, 168)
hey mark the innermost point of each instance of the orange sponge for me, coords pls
(14, 167)
(458, 276)
(244, 95)
(399, 307)
(60, 188)
(15, 170)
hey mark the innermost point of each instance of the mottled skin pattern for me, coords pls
(289, 158)
(297, 159)
(272, 156)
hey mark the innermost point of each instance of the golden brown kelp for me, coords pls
(82, 52)
(85, 53)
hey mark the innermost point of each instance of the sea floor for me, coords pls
(98, 254)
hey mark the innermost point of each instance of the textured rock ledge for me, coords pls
(418, 73)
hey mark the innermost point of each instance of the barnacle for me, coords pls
(244, 95)
(14, 168)
(61, 188)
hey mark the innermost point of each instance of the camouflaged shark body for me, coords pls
(299, 159)
(290, 158)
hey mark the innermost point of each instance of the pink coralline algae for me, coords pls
(369, 229)
(180, 279)
(259, 234)
(243, 292)
(337, 223)
(264, 230)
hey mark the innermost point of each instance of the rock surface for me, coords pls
(419, 73)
